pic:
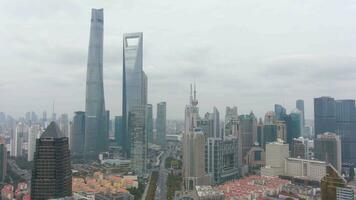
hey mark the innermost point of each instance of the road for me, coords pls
(161, 191)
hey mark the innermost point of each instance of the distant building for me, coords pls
(231, 121)
(78, 134)
(270, 118)
(256, 157)
(119, 130)
(149, 123)
(327, 147)
(193, 148)
(20, 134)
(138, 139)
(33, 134)
(330, 184)
(300, 106)
(161, 122)
(269, 134)
(293, 122)
(64, 125)
(324, 115)
(247, 129)
(299, 148)
(280, 112)
(305, 169)
(276, 153)
(51, 175)
(282, 132)
(221, 159)
(3, 160)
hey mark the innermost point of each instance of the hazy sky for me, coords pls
(248, 53)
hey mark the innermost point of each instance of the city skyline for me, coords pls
(253, 54)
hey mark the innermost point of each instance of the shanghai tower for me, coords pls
(96, 135)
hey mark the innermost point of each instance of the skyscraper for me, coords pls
(300, 107)
(248, 128)
(346, 128)
(324, 115)
(293, 122)
(134, 91)
(51, 175)
(138, 139)
(327, 148)
(337, 116)
(33, 134)
(119, 130)
(149, 123)
(18, 138)
(161, 123)
(216, 117)
(280, 112)
(231, 121)
(78, 134)
(96, 135)
(193, 147)
(64, 125)
(3, 159)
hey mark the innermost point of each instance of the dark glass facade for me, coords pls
(51, 175)
(78, 134)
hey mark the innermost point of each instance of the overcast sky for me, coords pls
(248, 53)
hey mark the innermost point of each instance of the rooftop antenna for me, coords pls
(191, 93)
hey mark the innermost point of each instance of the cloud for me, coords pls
(246, 53)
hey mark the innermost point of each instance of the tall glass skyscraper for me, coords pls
(161, 123)
(96, 135)
(300, 107)
(134, 82)
(149, 123)
(77, 134)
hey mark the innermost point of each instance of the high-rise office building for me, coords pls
(216, 119)
(207, 125)
(231, 121)
(134, 91)
(193, 147)
(276, 153)
(346, 128)
(64, 125)
(327, 147)
(78, 134)
(338, 116)
(281, 130)
(270, 118)
(138, 139)
(293, 122)
(247, 129)
(324, 115)
(96, 135)
(18, 139)
(221, 159)
(33, 133)
(51, 175)
(3, 160)
(119, 130)
(300, 106)
(161, 123)
(259, 136)
(280, 112)
(149, 123)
